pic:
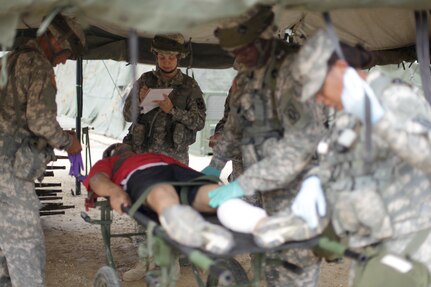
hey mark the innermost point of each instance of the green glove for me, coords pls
(224, 193)
(209, 170)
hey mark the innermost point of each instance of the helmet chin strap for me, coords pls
(52, 53)
(167, 72)
(263, 49)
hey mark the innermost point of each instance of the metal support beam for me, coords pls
(79, 99)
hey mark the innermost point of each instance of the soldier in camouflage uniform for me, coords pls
(276, 134)
(379, 195)
(237, 168)
(29, 112)
(171, 128)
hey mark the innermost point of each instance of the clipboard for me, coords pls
(153, 95)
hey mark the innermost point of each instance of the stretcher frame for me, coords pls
(223, 270)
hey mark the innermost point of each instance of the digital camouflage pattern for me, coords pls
(274, 168)
(397, 182)
(237, 167)
(168, 133)
(31, 83)
(388, 200)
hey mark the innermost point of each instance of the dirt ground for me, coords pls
(74, 247)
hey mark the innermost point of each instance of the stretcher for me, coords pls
(222, 270)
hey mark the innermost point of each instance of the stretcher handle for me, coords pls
(196, 257)
(339, 249)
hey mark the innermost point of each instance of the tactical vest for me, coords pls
(402, 187)
(142, 132)
(266, 122)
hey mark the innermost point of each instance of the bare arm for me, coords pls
(103, 186)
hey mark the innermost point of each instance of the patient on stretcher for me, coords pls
(124, 176)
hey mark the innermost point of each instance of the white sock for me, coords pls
(240, 216)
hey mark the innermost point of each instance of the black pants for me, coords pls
(141, 180)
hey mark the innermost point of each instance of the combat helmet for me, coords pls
(68, 33)
(169, 43)
(246, 29)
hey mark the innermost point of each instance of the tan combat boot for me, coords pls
(136, 273)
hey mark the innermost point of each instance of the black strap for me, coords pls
(118, 163)
(368, 147)
(332, 35)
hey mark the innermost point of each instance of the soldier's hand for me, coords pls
(75, 147)
(310, 204)
(224, 193)
(143, 93)
(214, 139)
(166, 104)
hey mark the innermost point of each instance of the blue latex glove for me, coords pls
(224, 193)
(209, 170)
(353, 97)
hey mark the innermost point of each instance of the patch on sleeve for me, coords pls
(200, 103)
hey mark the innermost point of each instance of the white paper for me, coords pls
(153, 95)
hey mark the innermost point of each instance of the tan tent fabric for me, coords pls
(390, 30)
(320, 5)
(377, 29)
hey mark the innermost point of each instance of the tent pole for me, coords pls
(79, 99)
(133, 59)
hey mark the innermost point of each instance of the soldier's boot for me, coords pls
(136, 273)
(275, 230)
(188, 227)
(5, 280)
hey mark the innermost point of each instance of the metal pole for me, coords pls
(133, 59)
(79, 99)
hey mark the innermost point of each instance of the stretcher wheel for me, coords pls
(106, 277)
(238, 273)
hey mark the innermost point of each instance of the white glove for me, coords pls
(353, 97)
(310, 202)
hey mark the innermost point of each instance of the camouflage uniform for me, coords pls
(276, 149)
(378, 196)
(168, 133)
(31, 87)
(237, 168)
(389, 199)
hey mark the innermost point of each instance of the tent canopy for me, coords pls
(384, 26)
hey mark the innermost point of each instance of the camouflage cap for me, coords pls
(69, 34)
(310, 65)
(244, 30)
(169, 43)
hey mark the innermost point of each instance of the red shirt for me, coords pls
(129, 165)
